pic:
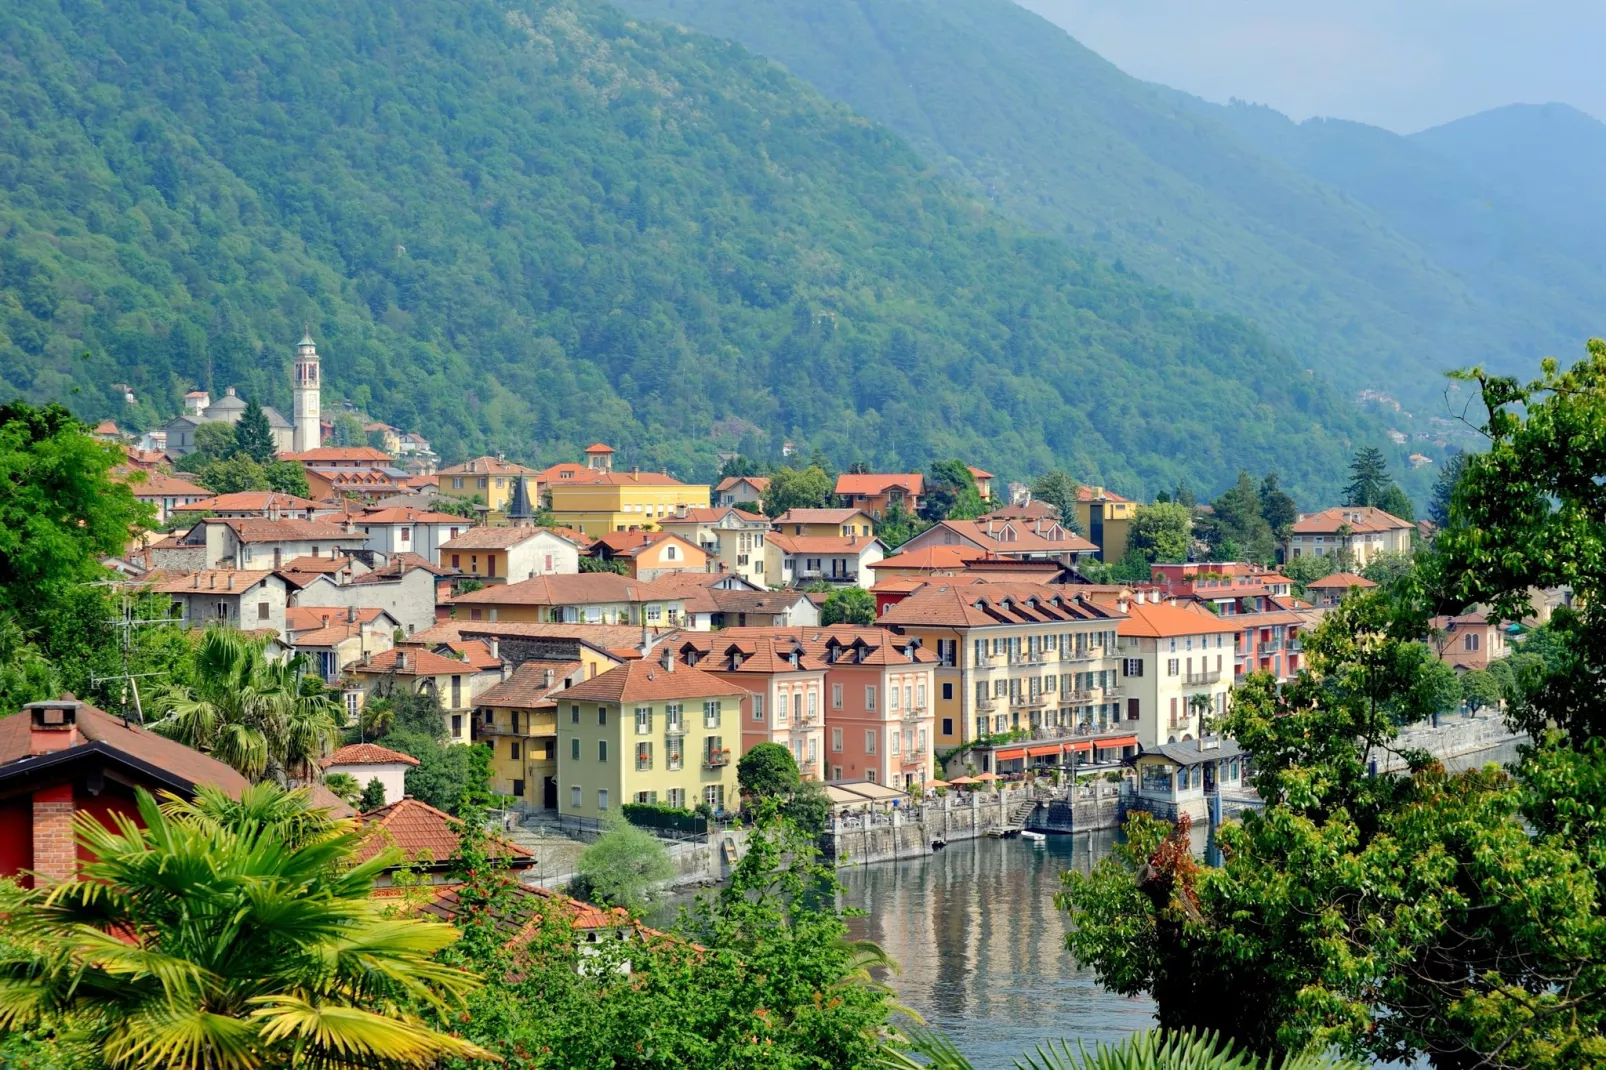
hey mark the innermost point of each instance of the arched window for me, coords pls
(1471, 641)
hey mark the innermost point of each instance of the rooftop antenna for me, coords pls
(125, 624)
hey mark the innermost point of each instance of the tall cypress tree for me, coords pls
(253, 436)
(1369, 477)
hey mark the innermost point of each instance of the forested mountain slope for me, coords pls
(1064, 141)
(527, 225)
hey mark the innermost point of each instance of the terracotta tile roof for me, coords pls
(400, 564)
(991, 604)
(1357, 518)
(1476, 618)
(932, 557)
(1091, 494)
(413, 661)
(486, 466)
(629, 543)
(527, 688)
(98, 726)
(162, 485)
(617, 640)
(1162, 620)
(627, 479)
(577, 589)
(256, 501)
(767, 650)
(226, 581)
(315, 564)
(488, 538)
(598, 447)
(422, 834)
(474, 652)
(578, 538)
(757, 482)
(646, 680)
(876, 483)
(106, 427)
(408, 516)
(522, 921)
(330, 454)
(367, 754)
(1339, 581)
(712, 515)
(567, 472)
(819, 516)
(1015, 537)
(754, 601)
(821, 544)
(252, 529)
(1033, 510)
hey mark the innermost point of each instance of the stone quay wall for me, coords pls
(1453, 737)
(857, 839)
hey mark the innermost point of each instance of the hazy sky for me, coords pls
(1401, 64)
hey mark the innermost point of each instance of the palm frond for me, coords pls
(355, 1034)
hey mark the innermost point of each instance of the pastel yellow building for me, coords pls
(492, 478)
(648, 731)
(603, 502)
(1106, 519)
(517, 719)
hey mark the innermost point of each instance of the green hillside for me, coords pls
(525, 226)
(1062, 140)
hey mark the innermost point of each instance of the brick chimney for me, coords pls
(53, 725)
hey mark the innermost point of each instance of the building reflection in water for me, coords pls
(982, 946)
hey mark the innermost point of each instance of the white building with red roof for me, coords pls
(369, 761)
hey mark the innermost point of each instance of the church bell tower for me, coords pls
(307, 435)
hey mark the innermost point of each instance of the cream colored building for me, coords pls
(1355, 533)
(732, 539)
(1176, 667)
(649, 731)
(1015, 656)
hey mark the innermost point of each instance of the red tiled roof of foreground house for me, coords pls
(1358, 518)
(97, 726)
(978, 473)
(527, 688)
(1342, 581)
(162, 485)
(646, 680)
(767, 649)
(520, 922)
(367, 754)
(413, 662)
(932, 557)
(574, 589)
(821, 544)
(1155, 620)
(253, 501)
(990, 604)
(335, 454)
(422, 834)
(872, 484)
(756, 482)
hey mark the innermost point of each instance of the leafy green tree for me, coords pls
(1161, 532)
(253, 435)
(798, 488)
(287, 477)
(623, 866)
(271, 953)
(233, 474)
(1440, 498)
(767, 769)
(848, 605)
(445, 773)
(346, 430)
(1389, 568)
(248, 711)
(1307, 569)
(1236, 529)
(345, 787)
(1058, 489)
(951, 493)
(372, 797)
(897, 525)
(1481, 690)
(596, 564)
(809, 807)
(1277, 507)
(26, 675)
(1369, 478)
(1396, 502)
(739, 466)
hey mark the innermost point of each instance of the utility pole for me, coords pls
(125, 623)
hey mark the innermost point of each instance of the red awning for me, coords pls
(1117, 742)
(1011, 755)
(1042, 752)
(1082, 745)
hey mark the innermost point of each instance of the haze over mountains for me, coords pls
(1378, 258)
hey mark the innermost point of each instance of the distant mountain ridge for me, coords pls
(525, 225)
(1222, 204)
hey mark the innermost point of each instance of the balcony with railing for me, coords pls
(914, 713)
(1028, 658)
(1270, 646)
(716, 759)
(1209, 677)
(1076, 696)
(913, 757)
(987, 705)
(1027, 701)
(1084, 654)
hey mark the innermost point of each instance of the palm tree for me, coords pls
(1154, 1049)
(228, 935)
(249, 711)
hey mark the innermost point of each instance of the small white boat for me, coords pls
(1028, 834)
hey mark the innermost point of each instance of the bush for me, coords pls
(621, 868)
